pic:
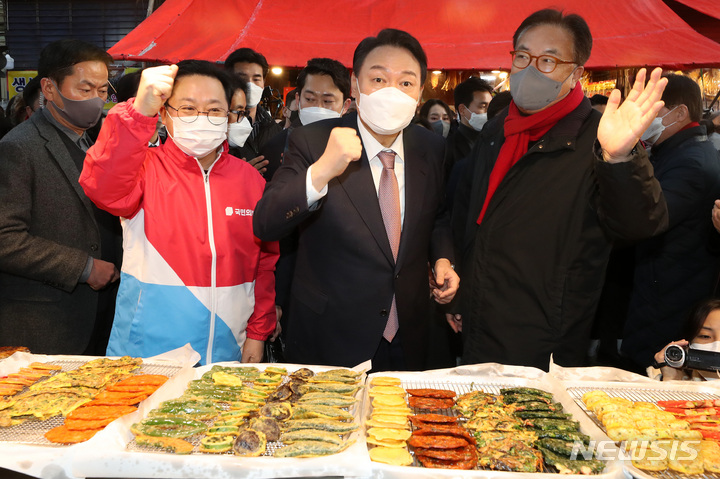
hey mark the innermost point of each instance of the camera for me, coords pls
(687, 358)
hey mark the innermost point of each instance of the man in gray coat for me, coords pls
(56, 249)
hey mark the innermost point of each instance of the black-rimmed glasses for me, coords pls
(544, 63)
(236, 116)
(188, 114)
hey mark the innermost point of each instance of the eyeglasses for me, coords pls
(544, 63)
(238, 115)
(188, 114)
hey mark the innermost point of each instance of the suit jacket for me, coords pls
(345, 275)
(47, 230)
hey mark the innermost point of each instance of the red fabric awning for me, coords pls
(456, 34)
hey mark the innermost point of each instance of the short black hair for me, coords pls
(425, 109)
(326, 66)
(598, 99)
(394, 38)
(127, 86)
(682, 90)
(247, 55)
(290, 96)
(498, 103)
(572, 23)
(208, 69)
(465, 91)
(58, 58)
(31, 92)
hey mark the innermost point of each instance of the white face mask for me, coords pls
(386, 111)
(655, 129)
(199, 137)
(312, 114)
(239, 131)
(715, 346)
(477, 120)
(254, 95)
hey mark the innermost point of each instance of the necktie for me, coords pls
(389, 198)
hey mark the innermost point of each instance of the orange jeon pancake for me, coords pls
(118, 401)
(99, 412)
(131, 388)
(144, 380)
(62, 435)
(84, 425)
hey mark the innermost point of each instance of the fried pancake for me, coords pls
(63, 435)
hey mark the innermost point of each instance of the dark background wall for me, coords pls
(32, 24)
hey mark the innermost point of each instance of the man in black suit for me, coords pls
(56, 248)
(366, 197)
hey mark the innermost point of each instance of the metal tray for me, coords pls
(33, 432)
(491, 384)
(650, 393)
(272, 446)
(122, 458)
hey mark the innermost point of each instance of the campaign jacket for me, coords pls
(193, 272)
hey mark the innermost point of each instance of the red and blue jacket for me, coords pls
(192, 272)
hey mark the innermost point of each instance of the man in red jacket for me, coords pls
(192, 271)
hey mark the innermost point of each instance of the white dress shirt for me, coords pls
(372, 148)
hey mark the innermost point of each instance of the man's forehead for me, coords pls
(548, 39)
(248, 68)
(391, 59)
(90, 69)
(319, 84)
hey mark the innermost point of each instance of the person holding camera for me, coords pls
(702, 326)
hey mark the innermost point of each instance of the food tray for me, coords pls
(491, 384)
(272, 446)
(650, 392)
(123, 458)
(33, 432)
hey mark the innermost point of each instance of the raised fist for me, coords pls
(343, 146)
(155, 88)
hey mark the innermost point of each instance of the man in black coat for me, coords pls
(677, 269)
(535, 215)
(56, 248)
(252, 67)
(365, 192)
(472, 98)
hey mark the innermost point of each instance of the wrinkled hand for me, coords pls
(343, 146)
(278, 327)
(260, 164)
(455, 322)
(252, 351)
(155, 88)
(716, 215)
(668, 372)
(102, 274)
(622, 124)
(447, 281)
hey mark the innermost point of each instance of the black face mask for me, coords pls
(294, 116)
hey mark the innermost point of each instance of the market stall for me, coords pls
(485, 420)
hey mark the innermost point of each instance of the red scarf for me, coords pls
(520, 130)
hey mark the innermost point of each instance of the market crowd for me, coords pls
(510, 228)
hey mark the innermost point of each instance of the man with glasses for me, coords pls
(193, 272)
(550, 186)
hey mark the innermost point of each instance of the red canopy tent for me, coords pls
(456, 34)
